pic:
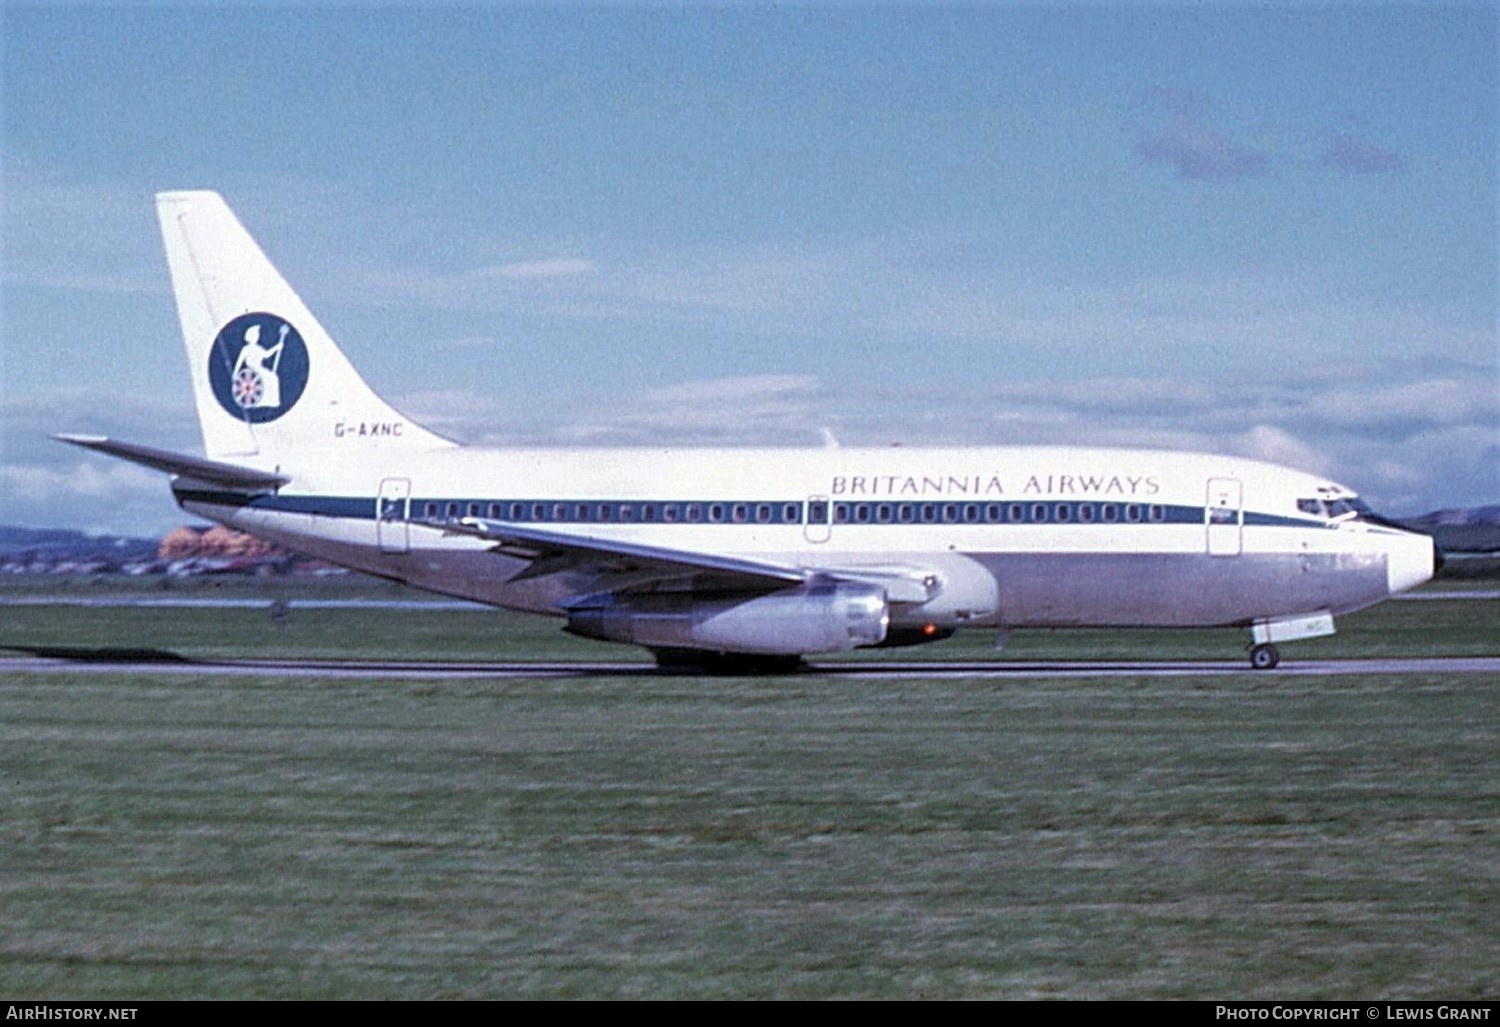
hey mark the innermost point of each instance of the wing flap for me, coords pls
(552, 552)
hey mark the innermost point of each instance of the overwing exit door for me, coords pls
(817, 527)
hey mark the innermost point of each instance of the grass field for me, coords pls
(805, 836)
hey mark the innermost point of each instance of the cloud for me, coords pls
(75, 235)
(533, 269)
(1200, 152)
(1410, 447)
(91, 494)
(1409, 440)
(1175, 129)
(772, 409)
(1355, 156)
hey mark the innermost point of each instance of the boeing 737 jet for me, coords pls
(738, 559)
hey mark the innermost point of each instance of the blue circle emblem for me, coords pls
(257, 367)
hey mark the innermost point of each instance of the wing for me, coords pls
(620, 566)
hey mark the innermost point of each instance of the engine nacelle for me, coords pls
(822, 618)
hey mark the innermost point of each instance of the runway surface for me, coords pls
(242, 603)
(124, 662)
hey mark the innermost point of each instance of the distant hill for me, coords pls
(63, 544)
(1475, 530)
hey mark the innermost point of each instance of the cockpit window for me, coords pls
(1333, 509)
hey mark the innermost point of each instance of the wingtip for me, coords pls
(76, 439)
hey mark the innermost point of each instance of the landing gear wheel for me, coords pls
(1264, 657)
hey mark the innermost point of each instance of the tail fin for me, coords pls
(269, 382)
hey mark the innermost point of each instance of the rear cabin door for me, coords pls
(1224, 516)
(392, 514)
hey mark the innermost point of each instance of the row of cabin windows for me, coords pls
(791, 513)
(993, 513)
(624, 513)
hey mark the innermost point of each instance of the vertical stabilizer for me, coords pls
(271, 387)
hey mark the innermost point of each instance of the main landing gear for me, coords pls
(699, 661)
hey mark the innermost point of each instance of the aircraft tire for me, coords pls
(1264, 657)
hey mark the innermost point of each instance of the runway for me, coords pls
(123, 662)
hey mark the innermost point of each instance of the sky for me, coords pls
(1263, 229)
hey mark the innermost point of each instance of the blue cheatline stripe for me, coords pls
(1015, 514)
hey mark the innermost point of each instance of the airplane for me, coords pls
(739, 560)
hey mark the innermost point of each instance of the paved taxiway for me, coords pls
(106, 662)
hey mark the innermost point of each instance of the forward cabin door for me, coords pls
(1224, 516)
(392, 515)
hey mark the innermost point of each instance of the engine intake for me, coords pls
(822, 618)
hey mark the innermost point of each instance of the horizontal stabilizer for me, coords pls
(211, 471)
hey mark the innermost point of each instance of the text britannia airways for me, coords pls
(1122, 485)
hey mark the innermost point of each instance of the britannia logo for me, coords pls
(258, 367)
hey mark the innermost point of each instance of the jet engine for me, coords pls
(822, 618)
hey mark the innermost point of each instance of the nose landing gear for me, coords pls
(1264, 656)
(1265, 633)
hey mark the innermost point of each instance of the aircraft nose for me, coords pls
(1411, 560)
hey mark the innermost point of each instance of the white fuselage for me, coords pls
(1001, 536)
